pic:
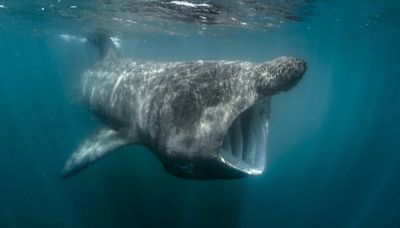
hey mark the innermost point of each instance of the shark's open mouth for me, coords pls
(245, 143)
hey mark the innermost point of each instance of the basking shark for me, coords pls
(201, 119)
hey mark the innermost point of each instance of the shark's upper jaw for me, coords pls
(240, 153)
(244, 146)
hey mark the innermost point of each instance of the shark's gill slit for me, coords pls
(227, 144)
(261, 146)
(235, 133)
(248, 142)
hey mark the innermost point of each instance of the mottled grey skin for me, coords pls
(182, 111)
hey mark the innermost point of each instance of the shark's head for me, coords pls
(278, 75)
(229, 138)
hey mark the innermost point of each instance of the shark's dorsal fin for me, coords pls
(97, 146)
(104, 44)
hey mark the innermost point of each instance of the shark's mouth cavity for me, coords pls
(245, 143)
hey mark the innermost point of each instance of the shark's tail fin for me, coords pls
(104, 44)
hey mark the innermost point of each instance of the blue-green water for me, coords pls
(334, 152)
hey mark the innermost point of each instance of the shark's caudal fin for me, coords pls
(97, 146)
(104, 44)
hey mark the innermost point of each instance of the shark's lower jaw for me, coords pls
(241, 153)
(245, 143)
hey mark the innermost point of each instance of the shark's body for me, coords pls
(202, 119)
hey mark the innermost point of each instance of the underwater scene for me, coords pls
(199, 113)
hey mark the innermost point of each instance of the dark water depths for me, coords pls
(334, 152)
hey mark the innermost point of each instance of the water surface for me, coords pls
(333, 157)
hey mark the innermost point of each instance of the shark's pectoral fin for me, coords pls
(97, 146)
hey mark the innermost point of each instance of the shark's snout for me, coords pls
(290, 70)
(279, 75)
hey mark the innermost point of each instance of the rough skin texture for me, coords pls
(182, 110)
